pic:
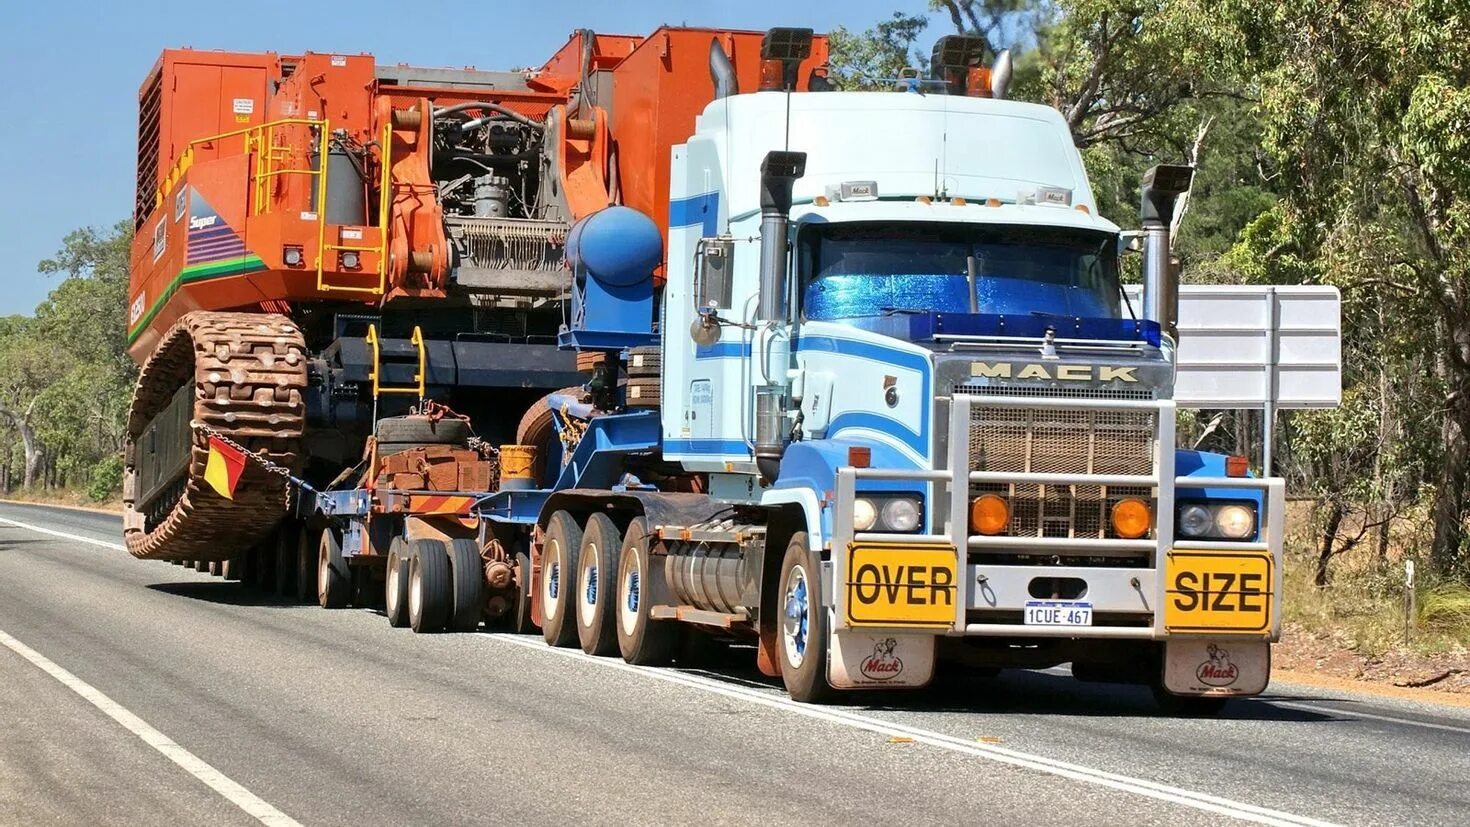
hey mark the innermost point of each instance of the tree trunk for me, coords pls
(33, 451)
(1329, 542)
(1449, 500)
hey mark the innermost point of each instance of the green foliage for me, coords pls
(107, 475)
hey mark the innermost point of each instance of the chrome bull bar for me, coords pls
(1136, 592)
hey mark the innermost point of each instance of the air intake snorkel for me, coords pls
(779, 172)
(1160, 189)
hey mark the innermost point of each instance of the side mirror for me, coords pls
(712, 273)
(1130, 241)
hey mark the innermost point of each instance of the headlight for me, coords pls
(1195, 521)
(901, 515)
(1236, 522)
(864, 514)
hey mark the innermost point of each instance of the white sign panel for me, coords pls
(1243, 345)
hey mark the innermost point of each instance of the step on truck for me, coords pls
(669, 343)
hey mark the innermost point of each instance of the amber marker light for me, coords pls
(989, 514)
(1131, 518)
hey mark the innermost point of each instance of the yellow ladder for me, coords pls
(419, 378)
(385, 203)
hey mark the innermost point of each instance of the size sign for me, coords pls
(1219, 592)
(894, 585)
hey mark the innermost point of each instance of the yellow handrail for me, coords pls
(421, 378)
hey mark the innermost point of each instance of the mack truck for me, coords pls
(669, 343)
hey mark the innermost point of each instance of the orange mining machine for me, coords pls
(324, 242)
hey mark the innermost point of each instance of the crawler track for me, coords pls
(249, 375)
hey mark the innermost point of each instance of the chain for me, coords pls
(257, 458)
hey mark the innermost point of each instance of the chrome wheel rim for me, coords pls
(796, 618)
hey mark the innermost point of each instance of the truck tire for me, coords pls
(642, 640)
(537, 427)
(231, 568)
(305, 581)
(395, 584)
(645, 361)
(467, 585)
(803, 636)
(421, 430)
(597, 565)
(558, 571)
(288, 536)
(333, 580)
(1186, 706)
(643, 393)
(520, 614)
(214, 568)
(428, 585)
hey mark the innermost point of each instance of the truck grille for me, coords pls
(1050, 441)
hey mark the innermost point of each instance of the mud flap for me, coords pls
(1217, 667)
(868, 661)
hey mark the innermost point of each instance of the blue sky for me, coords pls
(72, 71)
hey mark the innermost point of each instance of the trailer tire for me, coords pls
(803, 635)
(333, 580)
(643, 393)
(420, 430)
(214, 568)
(395, 584)
(428, 585)
(305, 580)
(642, 640)
(467, 585)
(231, 569)
(538, 428)
(559, 550)
(520, 615)
(597, 564)
(645, 361)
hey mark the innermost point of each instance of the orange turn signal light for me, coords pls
(989, 514)
(1131, 518)
(1236, 466)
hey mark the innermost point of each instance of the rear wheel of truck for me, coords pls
(395, 584)
(520, 615)
(558, 575)
(642, 640)
(428, 585)
(307, 541)
(803, 639)
(467, 585)
(597, 562)
(231, 568)
(214, 568)
(333, 580)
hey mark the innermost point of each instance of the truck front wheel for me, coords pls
(803, 619)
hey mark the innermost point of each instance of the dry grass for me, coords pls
(67, 497)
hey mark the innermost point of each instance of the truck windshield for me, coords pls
(865, 269)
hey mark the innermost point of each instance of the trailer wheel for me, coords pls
(467, 581)
(231, 569)
(803, 639)
(333, 580)
(520, 616)
(305, 580)
(395, 584)
(428, 585)
(558, 576)
(214, 568)
(642, 640)
(597, 564)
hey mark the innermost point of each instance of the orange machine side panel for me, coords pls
(564, 70)
(660, 89)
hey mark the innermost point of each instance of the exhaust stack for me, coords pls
(721, 70)
(1160, 189)
(779, 172)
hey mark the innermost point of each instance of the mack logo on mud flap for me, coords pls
(1218, 670)
(897, 585)
(1065, 373)
(883, 664)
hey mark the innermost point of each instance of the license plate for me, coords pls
(1058, 613)
(1219, 591)
(896, 585)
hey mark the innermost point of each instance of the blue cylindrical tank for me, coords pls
(617, 246)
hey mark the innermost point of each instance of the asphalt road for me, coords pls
(140, 693)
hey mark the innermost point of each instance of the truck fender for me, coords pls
(811, 509)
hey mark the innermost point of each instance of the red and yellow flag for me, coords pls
(222, 470)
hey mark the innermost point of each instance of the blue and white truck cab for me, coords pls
(900, 315)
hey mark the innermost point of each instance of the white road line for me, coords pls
(62, 534)
(990, 752)
(1372, 716)
(191, 763)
